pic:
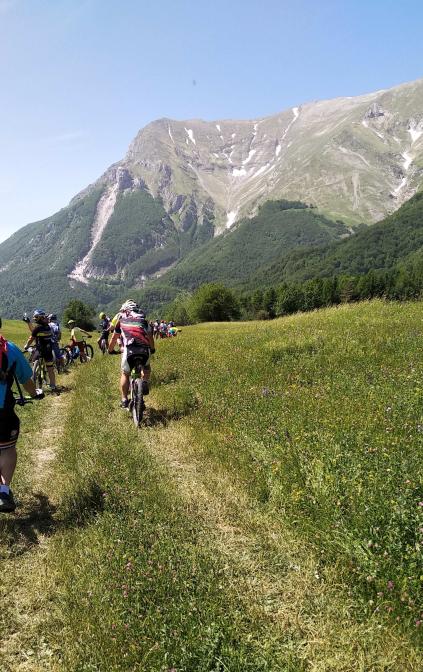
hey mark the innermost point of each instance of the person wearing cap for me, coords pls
(12, 365)
(43, 337)
(104, 329)
(76, 340)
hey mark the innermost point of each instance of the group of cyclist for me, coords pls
(163, 329)
(128, 329)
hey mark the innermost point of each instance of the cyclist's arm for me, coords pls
(113, 341)
(29, 341)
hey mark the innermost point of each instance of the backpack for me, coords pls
(7, 374)
(135, 330)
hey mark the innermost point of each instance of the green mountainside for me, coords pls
(279, 226)
(399, 238)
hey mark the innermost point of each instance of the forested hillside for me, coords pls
(380, 246)
(278, 228)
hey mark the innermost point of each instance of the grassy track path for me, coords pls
(231, 533)
(275, 576)
(25, 575)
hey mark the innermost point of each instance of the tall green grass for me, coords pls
(321, 415)
(267, 516)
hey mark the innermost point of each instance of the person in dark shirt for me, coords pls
(104, 329)
(42, 335)
(12, 365)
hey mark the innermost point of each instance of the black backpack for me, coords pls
(7, 375)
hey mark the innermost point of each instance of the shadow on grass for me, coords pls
(36, 518)
(79, 508)
(21, 531)
(160, 417)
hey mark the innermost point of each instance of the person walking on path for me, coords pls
(12, 365)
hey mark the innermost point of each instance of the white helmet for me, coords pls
(129, 306)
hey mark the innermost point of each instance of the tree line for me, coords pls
(213, 302)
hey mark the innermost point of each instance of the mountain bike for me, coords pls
(103, 345)
(38, 365)
(136, 404)
(74, 353)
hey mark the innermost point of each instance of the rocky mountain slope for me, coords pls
(356, 159)
(182, 183)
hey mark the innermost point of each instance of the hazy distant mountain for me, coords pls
(184, 182)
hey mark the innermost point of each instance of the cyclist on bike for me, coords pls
(43, 337)
(137, 337)
(104, 329)
(12, 364)
(76, 340)
(54, 325)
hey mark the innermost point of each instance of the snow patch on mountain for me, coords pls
(415, 133)
(190, 134)
(408, 160)
(239, 172)
(249, 157)
(296, 113)
(170, 134)
(230, 218)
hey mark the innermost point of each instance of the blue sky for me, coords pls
(80, 77)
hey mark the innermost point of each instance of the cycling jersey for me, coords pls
(13, 361)
(55, 330)
(133, 328)
(77, 334)
(44, 342)
(104, 327)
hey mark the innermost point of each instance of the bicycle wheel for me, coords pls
(62, 362)
(89, 351)
(137, 401)
(37, 374)
(103, 346)
(69, 355)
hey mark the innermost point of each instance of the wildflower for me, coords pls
(390, 585)
(418, 623)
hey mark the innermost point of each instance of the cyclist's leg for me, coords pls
(9, 432)
(51, 374)
(124, 378)
(146, 373)
(83, 354)
(49, 362)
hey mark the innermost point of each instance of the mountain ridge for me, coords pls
(182, 183)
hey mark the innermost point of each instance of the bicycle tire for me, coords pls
(37, 374)
(69, 355)
(62, 363)
(137, 402)
(103, 346)
(89, 351)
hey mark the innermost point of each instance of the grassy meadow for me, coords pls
(267, 517)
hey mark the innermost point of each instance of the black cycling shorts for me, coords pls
(9, 429)
(46, 352)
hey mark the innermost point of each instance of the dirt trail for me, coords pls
(27, 583)
(49, 436)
